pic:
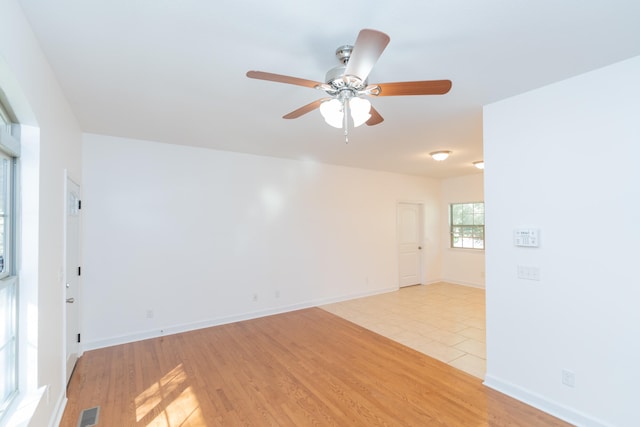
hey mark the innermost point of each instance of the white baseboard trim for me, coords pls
(463, 283)
(185, 327)
(565, 413)
(59, 410)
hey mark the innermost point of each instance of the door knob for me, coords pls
(70, 300)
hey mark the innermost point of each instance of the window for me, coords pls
(8, 281)
(467, 225)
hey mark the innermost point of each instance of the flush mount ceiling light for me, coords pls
(440, 155)
(479, 164)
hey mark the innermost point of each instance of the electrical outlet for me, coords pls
(568, 378)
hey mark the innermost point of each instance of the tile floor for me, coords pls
(441, 320)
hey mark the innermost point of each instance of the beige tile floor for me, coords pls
(441, 320)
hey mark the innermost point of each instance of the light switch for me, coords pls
(528, 272)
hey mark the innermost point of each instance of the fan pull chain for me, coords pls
(345, 118)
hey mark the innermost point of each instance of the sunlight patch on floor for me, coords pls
(169, 402)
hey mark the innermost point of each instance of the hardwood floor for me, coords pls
(302, 368)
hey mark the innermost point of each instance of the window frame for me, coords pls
(475, 231)
(9, 346)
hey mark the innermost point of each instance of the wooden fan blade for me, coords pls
(426, 87)
(366, 50)
(375, 118)
(305, 109)
(261, 75)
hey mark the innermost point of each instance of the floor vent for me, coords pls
(89, 417)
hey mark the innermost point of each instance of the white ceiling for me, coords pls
(174, 70)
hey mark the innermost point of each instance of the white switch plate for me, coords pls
(528, 272)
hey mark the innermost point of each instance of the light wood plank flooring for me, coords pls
(441, 320)
(303, 368)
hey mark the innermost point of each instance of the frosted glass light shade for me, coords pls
(360, 111)
(440, 155)
(332, 112)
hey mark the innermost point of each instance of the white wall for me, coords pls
(461, 266)
(564, 158)
(195, 235)
(37, 99)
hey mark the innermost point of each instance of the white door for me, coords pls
(72, 253)
(409, 243)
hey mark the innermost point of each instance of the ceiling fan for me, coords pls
(347, 87)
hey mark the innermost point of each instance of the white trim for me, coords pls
(23, 407)
(59, 410)
(68, 177)
(463, 283)
(9, 144)
(186, 327)
(565, 413)
(466, 250)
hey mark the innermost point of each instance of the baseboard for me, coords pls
(565, 413)
(185, 327)
(59, 411)
(463, 283)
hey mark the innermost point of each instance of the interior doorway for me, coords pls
(409, 225)
(72, 276)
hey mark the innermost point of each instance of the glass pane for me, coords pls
(467, 208)
(8, 381)
(478, 241)
(456, 214)
(467, 237)
(456, 237)
(467, 215)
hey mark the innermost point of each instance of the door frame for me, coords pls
(421, 272)
(65, 279)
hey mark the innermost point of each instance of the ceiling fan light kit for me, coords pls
(440, 155)
(346, 85)
(333, 111)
